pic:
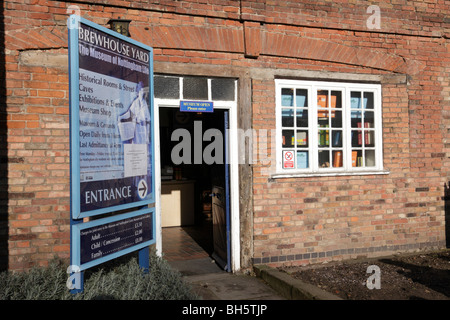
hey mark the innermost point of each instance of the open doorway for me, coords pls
(194, 207)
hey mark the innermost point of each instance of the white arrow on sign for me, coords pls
(142, 189)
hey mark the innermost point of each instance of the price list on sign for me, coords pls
(103, 240)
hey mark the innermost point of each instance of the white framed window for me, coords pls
(328, 127)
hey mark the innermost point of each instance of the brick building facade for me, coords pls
(290, 217)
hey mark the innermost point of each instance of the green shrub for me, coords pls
(38, 283)
(122, 279)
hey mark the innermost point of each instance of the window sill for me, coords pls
(327, 174)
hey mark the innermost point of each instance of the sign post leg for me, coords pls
(144, 259)
(76, 278)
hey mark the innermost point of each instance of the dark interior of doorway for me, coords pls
(194, 240)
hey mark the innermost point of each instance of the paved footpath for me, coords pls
(212, 283)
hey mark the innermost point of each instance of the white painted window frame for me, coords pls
(314, 169)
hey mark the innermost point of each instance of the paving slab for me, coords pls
(196, 266)
(211, 282)
(228, 286)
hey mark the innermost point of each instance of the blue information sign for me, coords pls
(196, 106)
(111, 145)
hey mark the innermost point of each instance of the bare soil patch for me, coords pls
(420, 276)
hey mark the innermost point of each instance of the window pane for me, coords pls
(302, 138)
(336, 119)
(370, 158)
(288, 138)
(302, 118)
(337, 159)
(324, 136)
(287, 97)
(301, 98)
(369, 119)
(337, 138)
(167, 87)
(222, 89)
(302, 160)
(324, 159)
(369, 138)
(322, 107)
(195, 88)
(356, 138)
(368, 100)
(357, 158)
(356, 118)
(322, 99)
(287, 117)
(355, 100)
(336, 99)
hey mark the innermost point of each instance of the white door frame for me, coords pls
(234, 175)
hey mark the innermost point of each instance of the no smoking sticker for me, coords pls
(288, 159)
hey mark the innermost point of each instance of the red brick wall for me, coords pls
(293, 218)
(304, 220)
(38, 162)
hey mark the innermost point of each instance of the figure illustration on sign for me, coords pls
(134, 124)
(134, 128)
